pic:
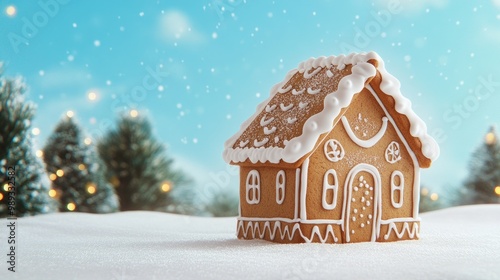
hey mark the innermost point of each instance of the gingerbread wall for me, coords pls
(268, 206)
(365, 119)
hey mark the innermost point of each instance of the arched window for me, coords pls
(280, 187)
(397, 188)
(330, 190)
(253, 187)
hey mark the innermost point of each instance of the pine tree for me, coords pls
(30, 181)
(139, 168)
(76, 171)
(483, 183)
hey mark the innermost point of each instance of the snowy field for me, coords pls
(456, 243)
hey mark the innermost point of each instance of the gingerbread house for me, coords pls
(332, 156)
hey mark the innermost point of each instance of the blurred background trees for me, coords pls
(76, 171)
(139, 168)
(30, 181)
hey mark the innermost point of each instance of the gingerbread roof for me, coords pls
(305, 105)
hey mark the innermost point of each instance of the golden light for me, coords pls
(134, 113)
(434, 196)
(60, 172)
(52, 193)
(92, 96)
(11, 11)
(425, 191)
(497, 190)
(87, 141)
(91, 188)
(81, 166)
(490, 138)
(35, 131)
(166, 187)
(39, 153)
(1, 196)
(6, 187)
(71, 206)
(70, 114)
(114, 181)
(53, 177)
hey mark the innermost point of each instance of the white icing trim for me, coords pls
(295, 92)
(286, 108)
(309, 75)
(397, 220)
(334, 102)
(313, 91)
(365, 143)
(297, 186)
(291, 120)
(322, 221)
(264, 122)
(399, 188)
(243, 143)
(333, 150)
(391, 86)
(326, 187)
(377, 207)
(270, 108)
(316, 231)
(260, 143)
(322, 122)
(268, 131)
(302, 105)
(416, 167)
(283, 90)
(412, 233)
(257, 232)
(303, 189)
(280, 186)
(253, 185)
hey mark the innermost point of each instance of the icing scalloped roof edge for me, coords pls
(318, 124)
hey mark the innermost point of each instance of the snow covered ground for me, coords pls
(456, 243)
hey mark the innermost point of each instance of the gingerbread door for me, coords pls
(361, 204)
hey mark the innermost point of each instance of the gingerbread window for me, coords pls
(330, 190)
(253, 187)
(280, 187)
(397, 188)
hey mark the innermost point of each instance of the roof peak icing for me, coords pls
(261, 138)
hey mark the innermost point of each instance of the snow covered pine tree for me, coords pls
(483, 183)
(31, 183)
(140, 170)
(76, 171)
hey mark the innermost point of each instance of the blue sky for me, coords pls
(199, 68)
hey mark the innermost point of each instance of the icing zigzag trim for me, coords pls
(254, 229)
(414, 232)
(257, 232)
